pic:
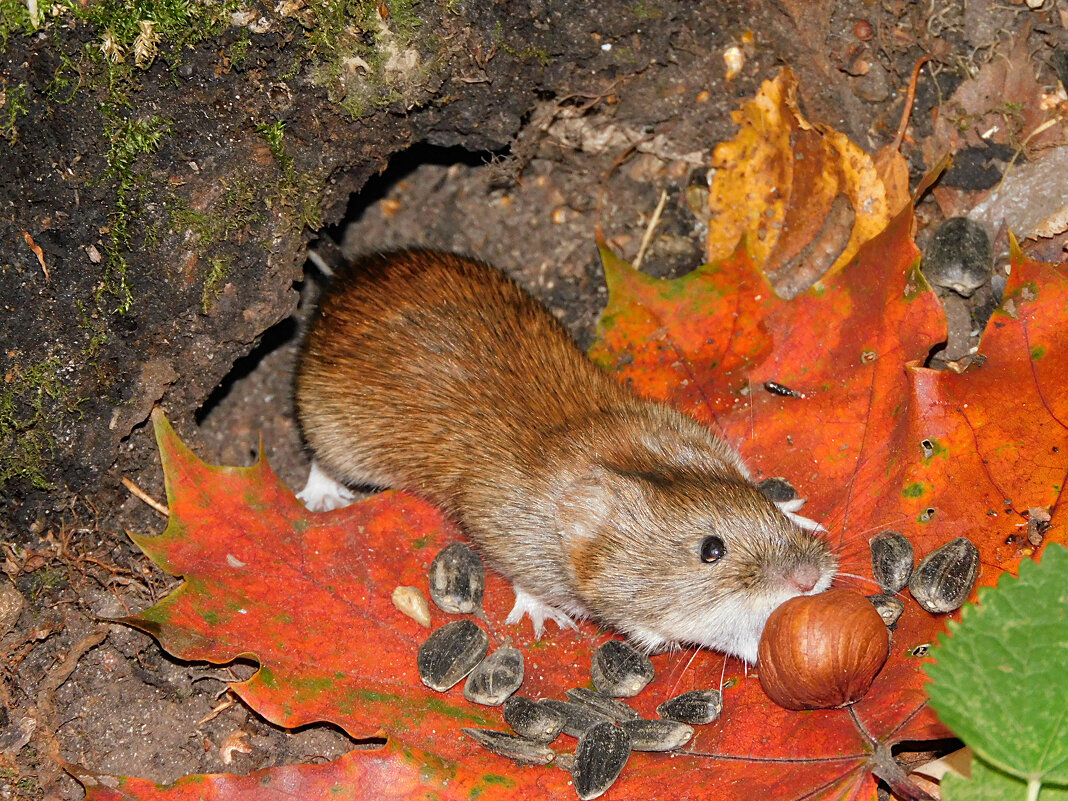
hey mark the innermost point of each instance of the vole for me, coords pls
(438, 374)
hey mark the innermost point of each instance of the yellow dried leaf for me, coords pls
(795, 191)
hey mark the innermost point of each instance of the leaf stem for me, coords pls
(1034, 784)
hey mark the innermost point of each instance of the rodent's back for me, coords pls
(444, 366)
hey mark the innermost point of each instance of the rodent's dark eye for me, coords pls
(712, 549)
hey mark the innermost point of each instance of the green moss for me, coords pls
(274, 135)
(31, 401)
(644, 11)
(66, 82)
(220, 267)
(13, 102)
(128, 139)
(14, 18)
(297, 192)
(93, 324)
(178, 23)
(239, 50)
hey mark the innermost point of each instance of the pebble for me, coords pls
(512, 746)
(599, 759)
(620, 670)
(450, 653)
(657, 735)
(578, 718)
(891, 561)
(696, 707)
(598, 702)
(457, 580)
(495, 678)
(944, 579)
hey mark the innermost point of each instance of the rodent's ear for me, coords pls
(585, 505)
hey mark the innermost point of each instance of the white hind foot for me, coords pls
(789, 508)
(322, 493)
(539, 612)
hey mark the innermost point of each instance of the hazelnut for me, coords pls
(822, 651)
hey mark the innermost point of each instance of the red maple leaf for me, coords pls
(876, 442)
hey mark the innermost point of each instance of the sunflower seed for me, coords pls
(457, 580)
(888, 607)
(533, 720)
(450, 653)
(945, 578)
(958, 256)
(620, 670)
(512, 746)
(777, 490)
(577, 717)
(601, 754)
(598, 702)
(891, 561)
(656, 735)
(495, 678)
(695, 707)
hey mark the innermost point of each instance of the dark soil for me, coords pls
(531, 124)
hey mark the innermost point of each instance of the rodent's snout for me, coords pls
(804, 577)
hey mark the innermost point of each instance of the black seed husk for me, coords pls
(606, 705)
(496, 677)
(533, 720)
(512, 746)
(696, 707)
(959, 256)
(657, 735)
(457, 580)
(777, 489)
(891, 561)
(601, 754)
(888, 607)
(620, 670)
(450, 653)
(944, 579)
(577, 718)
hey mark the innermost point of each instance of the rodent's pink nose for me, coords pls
(804, 577)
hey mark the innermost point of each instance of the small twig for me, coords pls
(910, 96)
(144, 496)
(217, 710)
(647, 237)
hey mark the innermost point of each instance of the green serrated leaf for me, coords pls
(990, 784)
(1000, 681)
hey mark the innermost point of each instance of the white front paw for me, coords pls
(539, 612)
(323, 493)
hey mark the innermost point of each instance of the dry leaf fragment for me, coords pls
(777, 182)
(38, 253)
(234, 743)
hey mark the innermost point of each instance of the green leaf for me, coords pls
(990, 784)
(999, 681)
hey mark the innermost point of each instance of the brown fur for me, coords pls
(438, 374)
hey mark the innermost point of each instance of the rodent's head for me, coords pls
(686, 559)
